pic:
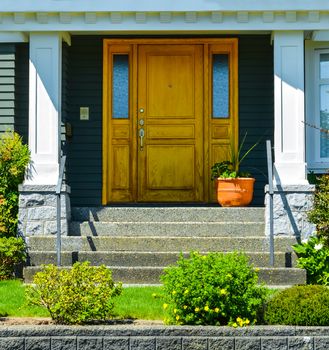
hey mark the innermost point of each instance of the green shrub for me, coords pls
(299, 305)
(76, 296)
(313, 256)
(213, 289)
(14, 158)
(320, 213)
(12, 253)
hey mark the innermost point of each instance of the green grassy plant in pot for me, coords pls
(234, 188)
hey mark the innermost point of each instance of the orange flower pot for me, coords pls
(236, 192)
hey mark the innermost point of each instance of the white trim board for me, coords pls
(162, 5)
(205, 21)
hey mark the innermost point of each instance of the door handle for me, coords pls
(141, 137)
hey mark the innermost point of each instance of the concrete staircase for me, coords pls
(138, 242)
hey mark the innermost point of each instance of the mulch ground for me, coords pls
(31, 321)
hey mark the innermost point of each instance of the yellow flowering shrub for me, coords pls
(213, 289)
(79, 295)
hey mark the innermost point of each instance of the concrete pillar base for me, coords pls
(37, 210)
(291, 203)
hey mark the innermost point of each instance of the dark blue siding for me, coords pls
(256, 105)
(22, 90)
(84, 89)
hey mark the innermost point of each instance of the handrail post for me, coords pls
(271, 192)
(59, 210)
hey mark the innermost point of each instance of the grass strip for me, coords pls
(134, 302)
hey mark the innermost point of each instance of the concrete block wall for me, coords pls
(163, 338)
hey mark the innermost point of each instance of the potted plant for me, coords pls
(234, 188)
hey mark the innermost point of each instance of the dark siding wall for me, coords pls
(22, 90)
(7, 86)
(256, 105)
(84, 89)
(84, 169)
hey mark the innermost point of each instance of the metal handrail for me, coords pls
(270, 191)
(59, 209)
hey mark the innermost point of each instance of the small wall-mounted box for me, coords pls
(84, 113)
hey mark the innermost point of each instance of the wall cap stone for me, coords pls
(291, 188)
(156, 331)
(43, 188)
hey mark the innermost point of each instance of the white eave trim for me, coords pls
(13, 37)
(319, 35)
(196, 18)
(161, 5)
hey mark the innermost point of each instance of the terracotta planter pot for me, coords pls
(235, 192)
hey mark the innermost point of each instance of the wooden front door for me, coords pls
(162, 129)
(170, 123)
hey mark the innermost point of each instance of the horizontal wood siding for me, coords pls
(84, 89)
(7, 86)
(22, 90)
(256, 105)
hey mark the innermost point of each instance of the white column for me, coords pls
(44, 107)
(289, 138)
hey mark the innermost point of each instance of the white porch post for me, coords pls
(293, 196)
(45, 107)
(37, 204)
(289, 137)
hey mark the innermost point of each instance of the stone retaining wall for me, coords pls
(118, 337)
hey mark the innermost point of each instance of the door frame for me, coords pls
(209, 48)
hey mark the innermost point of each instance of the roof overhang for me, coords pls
(145, 16)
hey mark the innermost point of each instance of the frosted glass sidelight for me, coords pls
(120, 87)
(220, 86)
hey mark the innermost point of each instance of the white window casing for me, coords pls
(316, 162)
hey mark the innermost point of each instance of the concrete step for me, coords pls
(151, 275)
(167, 214)
(159, 244)
(182, 229)
(126, 259)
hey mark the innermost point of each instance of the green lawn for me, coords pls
(13, 303)
(134, 302)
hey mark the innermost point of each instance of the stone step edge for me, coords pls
(162, 237)
(169, 222)
(148, 252)
(160, 268)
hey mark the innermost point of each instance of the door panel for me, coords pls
(170, 90)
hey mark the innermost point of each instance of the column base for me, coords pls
(37, 210)
(291, 203)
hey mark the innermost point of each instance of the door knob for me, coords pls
(141, 110)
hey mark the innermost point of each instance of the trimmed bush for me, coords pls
(14, 158)
(82, 294)
(319, 215)
(299, 306)
(12, 253)
(213, 289)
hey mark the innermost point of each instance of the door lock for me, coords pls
(141, 110)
